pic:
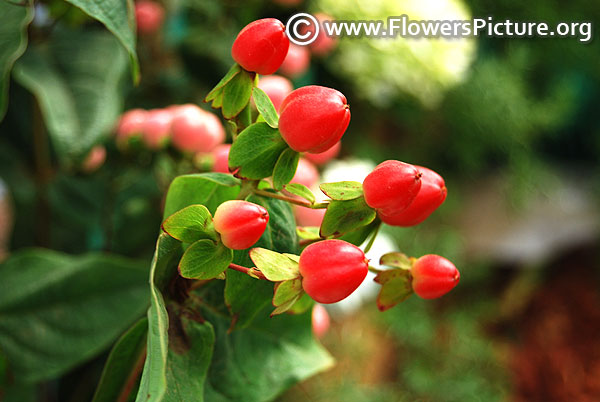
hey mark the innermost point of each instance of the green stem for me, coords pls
(373, 236)
(295, 201)
(248, 187)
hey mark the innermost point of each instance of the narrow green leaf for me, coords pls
(396, 260)
(275, 266)
(301, 191)
(205, 259)
(233, 71)
(190, 224)
(265, 107)
(308, 232)
(256, 151)
(343, 190)
(119, 17)
(13, 41)
(344, 216)
(395, 287)
(285, 306)
(237, 93)
(302, 305)
(286, 291)
(285, 168)
(359, 235)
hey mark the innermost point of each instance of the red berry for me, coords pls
(332, 269)
(313, 118)
(131, 124)
(296, 62)
(324, 157)
(261, 46)
(196, 130)
(149, 16)
(276, 87)
(433, 276)
(221, 158)
(320, 320)
(430, 197)
(240, 223)
(94, 159)
(391, 186)
(306, 174)
(157, 128)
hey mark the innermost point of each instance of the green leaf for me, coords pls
(217, 90)
(345, 216)
(205, 259)
(190, 224)
(119, 18)
(256, 151)
(76, 80)
(276, 267)
(246, 296)
(237, 93)
(395, 287)
(285, 306)
(125, 356)
(208, 189)
(286, 291)
(308, 232)
(301, 305)
(285, 168)
(265, 107)
(13, 41)
(358, 236)
(47, 302)
(301, 191)
(396, 260)
(343, 190)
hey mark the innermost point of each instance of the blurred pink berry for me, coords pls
(94, 159)
(296, 62)
(320, 320)
(308, 216)
(288, 3)
(306, 174)
(157, 128)
(323, 44)
(149, 16)
(221, 158)
(130, 124)
(196, 130)
(276, 87)
(324, 157)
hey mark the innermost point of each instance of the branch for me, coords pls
(291, 200)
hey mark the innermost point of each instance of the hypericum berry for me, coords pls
(313, 118)
(149, 16)
(221, 158)
(324, 157)
(332, 269)
(130, 124)
(240, 223)
(433, 276)
(320, 320)
(392, 186)
(157, 128)
(296, 62)
(196, 130)
(261, 46)
(94, 159)
(323, 44)
(309, 216)
(306, 174)
(276, 87)
(431, 195)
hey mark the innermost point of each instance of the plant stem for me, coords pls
(373, 236)
(295, 201)
(253, 272)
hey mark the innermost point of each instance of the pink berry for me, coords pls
(323, 44)
(433, 276)
(296, 62)
(195, 130)
(391, 186)
(324, 157)
(157, 128)
(261, 46)
(149, 16)
(431, 195)
(308, 216)
(130, 124)
(320, 320)
(313, 118)
(94, 159)
(221, 158)
(306, 174)
(331, 270)
(276, 87)
(288, 3)
(240, 223)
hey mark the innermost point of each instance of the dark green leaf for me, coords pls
(265, 107)
(275, 266)
(13, 41)
(256, 151)
(358, 236)
(345, 216)
(233, 71)
(190, 224)
(343, 190)
(47, 301)
(208, 189)
(205, 259)
(395, 287)
(128, 353)
(301, 191)
(237, 93)
(285, 168)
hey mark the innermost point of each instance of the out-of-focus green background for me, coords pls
(513, 125)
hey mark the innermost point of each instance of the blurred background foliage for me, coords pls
(512, 125)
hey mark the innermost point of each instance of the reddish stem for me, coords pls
(248, 271)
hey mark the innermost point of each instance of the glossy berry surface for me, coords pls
(331, 270)
(240, 223)
(296, 62)
(149, 16)
(221, 157)
(276, 87)
(431, 195)
(196, 130)
(157, 128)
(433, 276)
(392, 186)
(324, 157)
(313, 118)
(261, 46)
